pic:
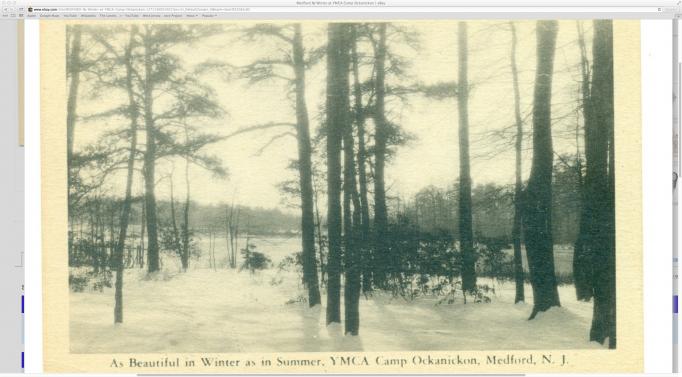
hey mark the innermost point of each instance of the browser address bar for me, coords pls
(332, 6)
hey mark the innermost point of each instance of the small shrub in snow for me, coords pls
(494, 262)
(450, 290)
(172, 240)
(254, 260)
(102, 280)
(79, 281)
(291, 263)
(297, 299)
(482, 293)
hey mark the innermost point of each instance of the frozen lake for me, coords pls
(277, 248)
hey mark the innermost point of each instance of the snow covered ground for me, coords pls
(206, 310)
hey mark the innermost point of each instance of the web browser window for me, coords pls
(348, 187)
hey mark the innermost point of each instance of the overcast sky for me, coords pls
(430, 158)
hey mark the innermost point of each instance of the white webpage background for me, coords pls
(656, 39)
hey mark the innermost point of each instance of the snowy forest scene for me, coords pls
(340, 186)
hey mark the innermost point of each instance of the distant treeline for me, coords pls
(435, 210)
(256, 221)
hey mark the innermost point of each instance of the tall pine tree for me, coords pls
(337, 120)
(466, 233)
(537, 217)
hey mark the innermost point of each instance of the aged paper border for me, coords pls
(628, 357)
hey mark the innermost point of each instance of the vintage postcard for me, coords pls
(343, 197)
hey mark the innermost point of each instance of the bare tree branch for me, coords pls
(259, 127)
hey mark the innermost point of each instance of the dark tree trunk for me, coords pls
(381, 256)
(466, 233)
(73, 71)
(232, 234)
(351, 222)
(143, 226)
(537, 217)
(176, 233)
(611, 222)
(320, 241)
(337, 119)
(351, 252)
(310, 277)
(518, 186)
(73, 68)
(133, 113)
(150, 158)
(582, 261)
(600, 240)
(228, 243)
(366, 256)
(185, 215)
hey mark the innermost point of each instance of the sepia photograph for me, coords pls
(241, 187)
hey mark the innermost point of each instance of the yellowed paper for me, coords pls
(431, 160)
